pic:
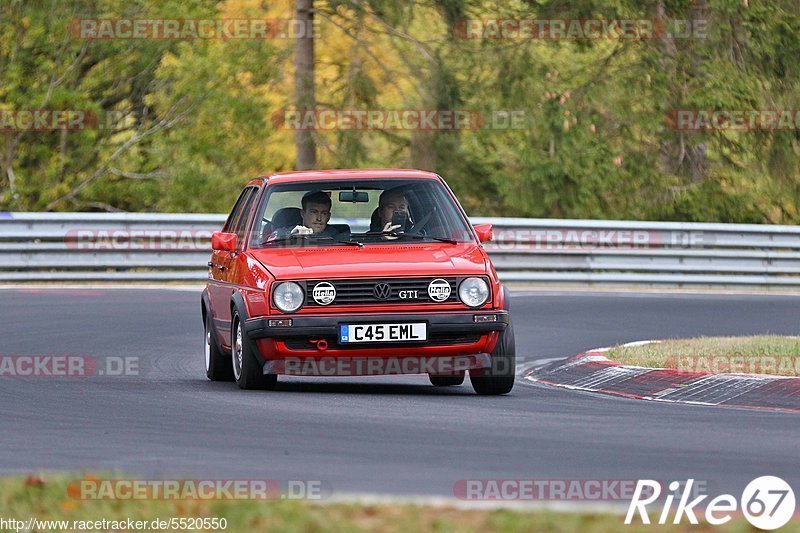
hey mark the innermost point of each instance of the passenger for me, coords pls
(315, 214)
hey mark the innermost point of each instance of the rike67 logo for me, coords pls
(767, 502)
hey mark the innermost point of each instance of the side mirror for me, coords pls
(223, 242)
(485, 232)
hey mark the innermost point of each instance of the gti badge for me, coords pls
(324, 293)
(439, 290)
(408, 295)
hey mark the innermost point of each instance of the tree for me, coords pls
(304, 84)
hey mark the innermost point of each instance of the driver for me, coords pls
(390, 201)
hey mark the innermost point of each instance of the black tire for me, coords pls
(218, 364)
(499, 379)
(446, 381)
(247, 372)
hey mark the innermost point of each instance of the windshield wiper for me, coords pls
(308, 236)
(351, 243)
(419, 236)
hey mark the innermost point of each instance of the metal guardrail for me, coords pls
(175, 247)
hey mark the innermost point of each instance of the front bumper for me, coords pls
(328, 326)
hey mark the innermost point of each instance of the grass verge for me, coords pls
(761, 354)
(49, 498)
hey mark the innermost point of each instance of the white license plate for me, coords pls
(382, 332)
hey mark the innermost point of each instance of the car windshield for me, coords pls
(375, 211)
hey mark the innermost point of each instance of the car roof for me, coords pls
(345, 174)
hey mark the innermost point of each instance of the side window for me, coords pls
(240, 225)
(235, 212)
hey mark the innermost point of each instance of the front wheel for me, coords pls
(246, 370)
(499, 379)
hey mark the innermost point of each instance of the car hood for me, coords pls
(422, 259)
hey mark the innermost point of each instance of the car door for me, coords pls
(245, 225)
(220, 284)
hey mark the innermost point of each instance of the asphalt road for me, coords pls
(386, 435)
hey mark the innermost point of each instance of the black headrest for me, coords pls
(287, 217)
(375, 220)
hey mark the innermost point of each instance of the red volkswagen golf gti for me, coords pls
(355, 272)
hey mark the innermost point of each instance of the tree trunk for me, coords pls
(681, 154)
(304, 83)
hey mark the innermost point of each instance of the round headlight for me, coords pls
(473, 292)
(288, 297)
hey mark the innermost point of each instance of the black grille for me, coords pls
(362, 292)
